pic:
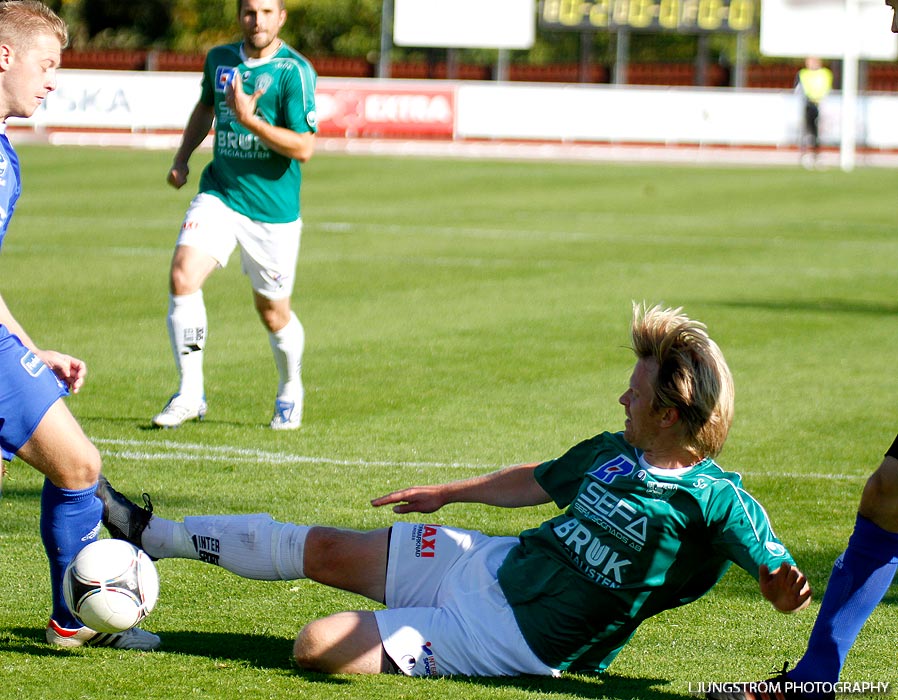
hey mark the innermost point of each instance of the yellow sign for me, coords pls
(649, 15)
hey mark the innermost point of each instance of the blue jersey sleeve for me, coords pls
(10, 183)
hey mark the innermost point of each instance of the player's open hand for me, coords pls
(417, 499)
(786, 587)
(70, 370)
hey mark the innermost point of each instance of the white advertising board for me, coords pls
(119, 100)
(154, 103)
(800, 28)
(464, 24)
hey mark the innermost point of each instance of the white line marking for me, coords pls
(224, 453)
(171, 450)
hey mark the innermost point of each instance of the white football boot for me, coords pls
(287, 415)
(134, 638)
(178, 411)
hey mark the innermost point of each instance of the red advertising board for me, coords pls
(350, 108)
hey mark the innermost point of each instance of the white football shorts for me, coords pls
(446, 614)
(268, 252)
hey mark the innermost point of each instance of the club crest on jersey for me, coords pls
(263, 83)
(223, 76)
(610, 470)
(32, 364)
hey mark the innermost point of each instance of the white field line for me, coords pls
(168, 450)
(191, 452)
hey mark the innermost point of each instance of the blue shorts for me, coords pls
(27, 390)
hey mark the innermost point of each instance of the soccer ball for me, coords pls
(111, 585)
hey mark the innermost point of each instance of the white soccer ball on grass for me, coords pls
(111, 585)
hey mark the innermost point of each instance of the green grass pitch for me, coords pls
(460, 316)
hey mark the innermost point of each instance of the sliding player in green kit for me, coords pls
(651, 522)
(261, 95)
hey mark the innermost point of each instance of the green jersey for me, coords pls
(635, 540)
(244, 173)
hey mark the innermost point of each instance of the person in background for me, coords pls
(815, 81)
(35, 424)
(260, 93)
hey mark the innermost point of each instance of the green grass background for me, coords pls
(460, 316)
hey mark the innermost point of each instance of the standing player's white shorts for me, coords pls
(268, 252)
(446, 613)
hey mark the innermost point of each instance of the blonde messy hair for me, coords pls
(693, 376)
(23, 20)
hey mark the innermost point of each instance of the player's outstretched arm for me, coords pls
(512, 487)
(786, 587)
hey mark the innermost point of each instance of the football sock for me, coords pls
(187, 333)
(69, 521)
(859, 579)
(253, 546)
(287, 345)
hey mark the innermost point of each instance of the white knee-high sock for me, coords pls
(287, 346)
(252, 546)
(187, 333)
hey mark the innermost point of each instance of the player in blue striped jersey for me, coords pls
(35, 423)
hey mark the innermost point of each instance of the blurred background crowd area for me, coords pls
(343, 39)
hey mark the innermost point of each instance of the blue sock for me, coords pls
(70, 520)
(859, 580)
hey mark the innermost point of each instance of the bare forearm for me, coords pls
(513, 487)
(196, 131)
(298, 146)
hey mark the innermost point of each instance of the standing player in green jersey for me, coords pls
(261, 95)
(650, 522)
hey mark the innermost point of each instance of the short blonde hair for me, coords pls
(21, 21)
(693, 376)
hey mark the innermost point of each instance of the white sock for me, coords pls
(252, 546)
(287, 345)
(187, 333)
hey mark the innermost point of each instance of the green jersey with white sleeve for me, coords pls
(633, 541)
(244, 173)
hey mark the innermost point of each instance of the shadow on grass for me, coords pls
(255, 650)
(842, 306)
(599, 686)
(273, 653)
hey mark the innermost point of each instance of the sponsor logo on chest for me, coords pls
(616, 515)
